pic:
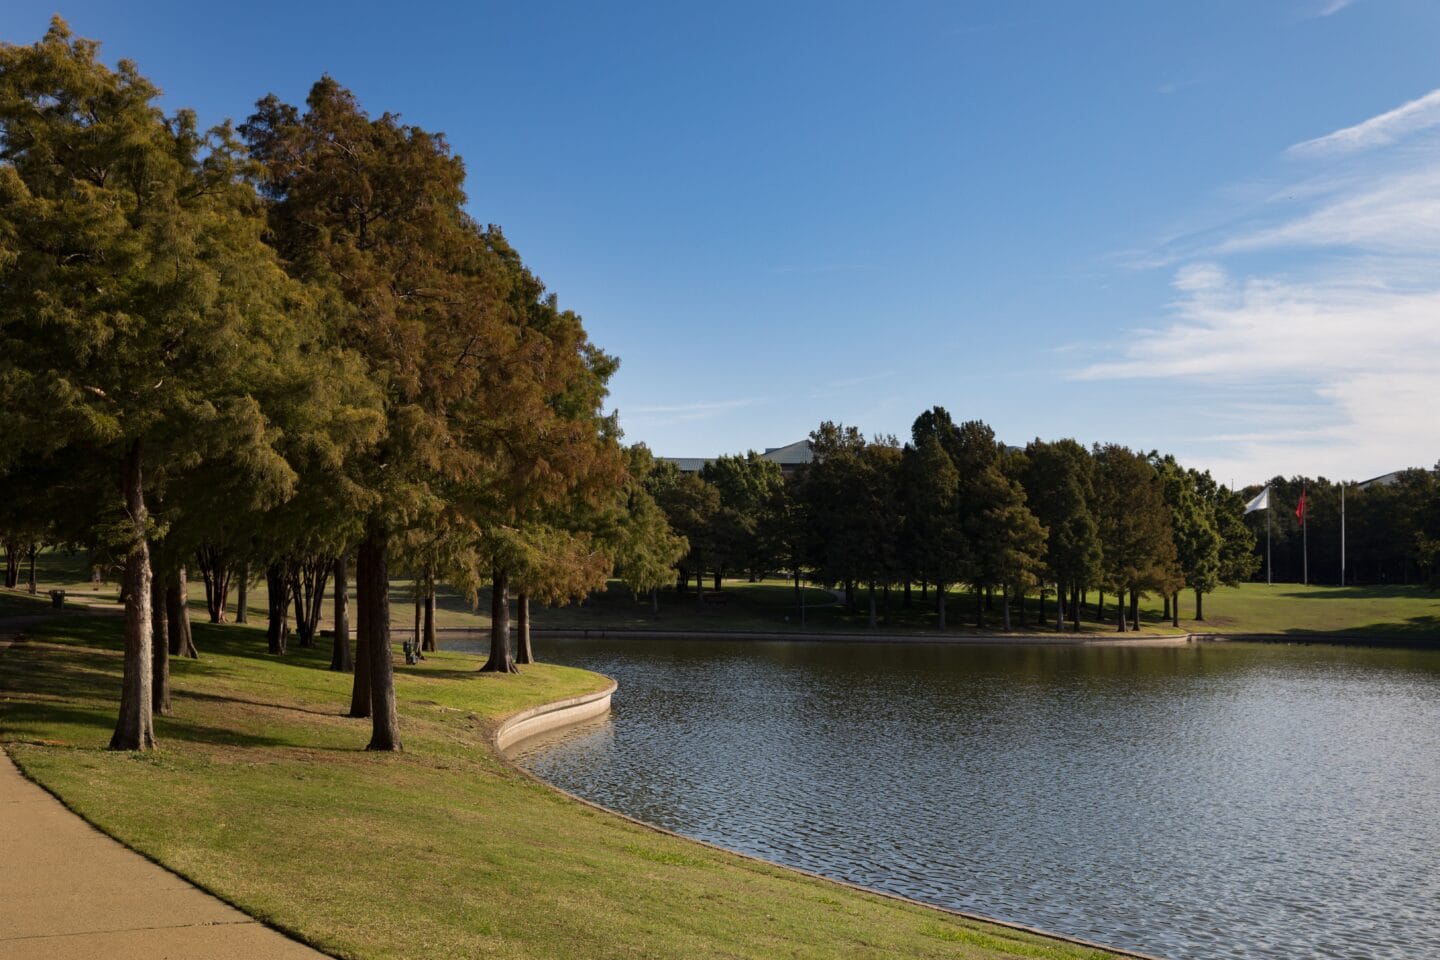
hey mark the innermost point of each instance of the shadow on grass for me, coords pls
(1421, 631)
(61, 673)
(339, 711)
(95, 723)
(1388, 592)
(68, 679)
(441, 673)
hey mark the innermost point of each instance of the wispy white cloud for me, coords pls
(1332, 7)
(703, 407)
(1363, 349)
(1386, 128)
(1325, 296)
(659, 415)
(836, 387)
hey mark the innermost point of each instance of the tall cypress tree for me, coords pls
(138, 304)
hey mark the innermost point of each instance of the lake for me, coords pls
(1219, 800)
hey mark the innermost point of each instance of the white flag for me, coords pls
(1261, 502)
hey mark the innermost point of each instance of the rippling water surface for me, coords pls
(1204, 801)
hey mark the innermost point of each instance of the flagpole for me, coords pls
(1342, 533)
(1304, 539)
(1267, 546)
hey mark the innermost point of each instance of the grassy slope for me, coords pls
(770, 606)
(261, 794)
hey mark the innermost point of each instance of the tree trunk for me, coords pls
(372, 579)
(34, 549)
(309, 577)
(182, 642)
(277, 630)
(872, 604)
(1059, 607)
(500, 659)
(940, 604)
(427, 640)
(1175, 610)
(655, 601)
(523, 653)
(187, 645)
(1120, 608)
(170, 604)
(242, 595)
(1075, 602)
(216, 573)
(1005, 607)
(1135, 610)
(850, 597)
(906, 601)
(12, 563)
(340, 660)
(1199, 606)
(717, 578)
(699, 590)
(297, 596)
(980, 607)
(135, 726)
(360, 688)
(159, 649)
(1100, 607)
(1166, 614)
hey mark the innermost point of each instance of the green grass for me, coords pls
(260, 792)
(1248, 608)
(1289, 608)
(770, 606)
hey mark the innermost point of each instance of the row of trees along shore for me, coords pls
(954, 506)
(272, 348)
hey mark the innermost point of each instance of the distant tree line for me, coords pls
(285, 350)
(954, 507)
(1391, 529)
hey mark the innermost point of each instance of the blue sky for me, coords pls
(1210, 228)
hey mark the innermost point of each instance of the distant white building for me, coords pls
(790, 457)
(1384, 480)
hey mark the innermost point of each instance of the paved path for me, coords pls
(68, 892)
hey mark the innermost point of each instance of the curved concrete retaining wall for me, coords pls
(552, 716)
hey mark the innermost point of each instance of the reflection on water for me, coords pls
(1227, 800)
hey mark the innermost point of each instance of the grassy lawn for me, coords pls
(770, 605)
(1248, 608)
(1291, 608)
(260, 792)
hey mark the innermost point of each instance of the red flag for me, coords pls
(1300, 507)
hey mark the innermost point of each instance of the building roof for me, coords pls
(790, 455)
(1384, 480)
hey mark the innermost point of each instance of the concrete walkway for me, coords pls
(68, 892)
